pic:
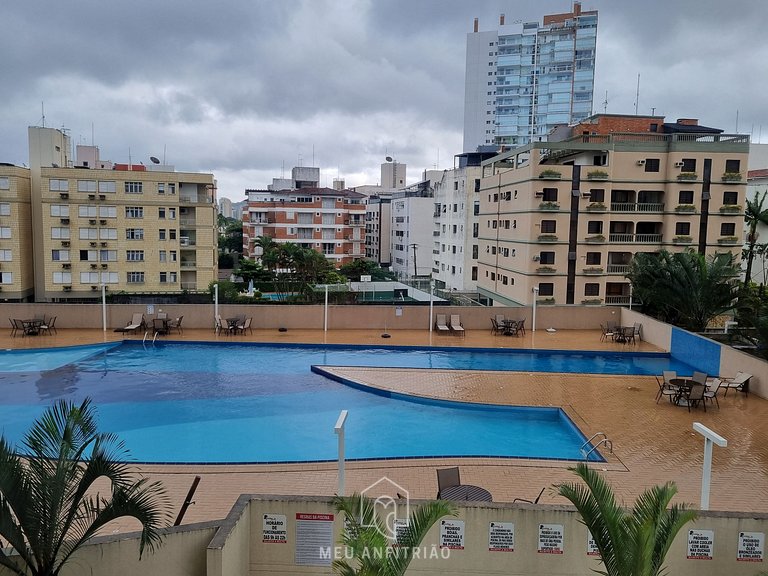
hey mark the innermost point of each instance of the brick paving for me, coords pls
(652, 442)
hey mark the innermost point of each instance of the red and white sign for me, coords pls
(751, 547)
(452, 534)
(275, 529)
(700, 544)
(314, 539)
(501, 537)
(551, 538)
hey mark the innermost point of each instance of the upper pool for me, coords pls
(203, 402)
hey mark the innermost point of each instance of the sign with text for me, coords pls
(550, 539)
(452, 534)
(401, 529)
(501, 537)
(751, 547)
(591, 545)
(275, 529)
(314, 537)
(700, 544)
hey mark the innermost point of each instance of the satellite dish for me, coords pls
(388, 158)
(154, 160)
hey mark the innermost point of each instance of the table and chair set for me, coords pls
(620, 334)
(36, 326)
(449, 487)
(235, 325)
(507, 326)
(696, 390)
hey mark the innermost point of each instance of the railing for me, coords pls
(618, 268)
(635, 238)
(188, 264)
(637, 207)
(188, 285)
(617, 299)
(187, 222)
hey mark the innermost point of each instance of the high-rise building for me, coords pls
(526, 78)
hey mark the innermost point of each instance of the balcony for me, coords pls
(191, 222)
(593, 270)
(189, 285)
(550, 175)
(547, 238)
(617, 300)
(546, 270)
(731, 177)
(730, 209)
(728, 240)
(595, 239)
(687, 176)
(635, 238)
(682, 239)
(596, 207)
(637, 207)
(618, 269)
(188, 264)
(597, 175)
(549, 206)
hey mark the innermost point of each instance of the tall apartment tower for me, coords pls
(524, 79)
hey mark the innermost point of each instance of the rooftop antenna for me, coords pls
(605, 103)
(129, 159)
(163, 154)
(313, 154)
(42, 108)
(637, 96)
(92, 139)
(737, 120)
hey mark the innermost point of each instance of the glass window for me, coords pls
(161, 213)
(134, 188)
(730, 198)
(108, 211)
(6, 255)
(682, 228)
(134, 212)
(57, 185)
(546, 289)
(86, 185)
(161, 234)
(57, 210)
(732, 165)
(689, 165)
(87, 211)
(548, 226)
(60, 233)
(134, 233)
(88, 255)
(135, 277)
(6, 277)
(62, 277)
(595, 227)
(594, 258)
(60, 255)
(685, 197)
(107, 187)
(546, 257)
(591, 289)
(107, 233)
(88, 233)
(5, 183)
(134, 255)
(550, 195)
(727, 229)
(597, 195)
(652, 164)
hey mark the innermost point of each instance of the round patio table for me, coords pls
(466, 492)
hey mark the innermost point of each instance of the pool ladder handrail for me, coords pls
(604, 441)
(146, 333)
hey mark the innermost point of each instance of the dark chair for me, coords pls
(605, 333)
(49, 326)
(665, 390)
(14, 328)
(521, 326)
(529, 501)
(176, 325)
(495, 329)
(711, 394)
(446, 478)
(242, 327)
(695, 396)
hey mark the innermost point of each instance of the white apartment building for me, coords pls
(412, 227)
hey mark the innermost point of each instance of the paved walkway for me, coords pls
(652, 442)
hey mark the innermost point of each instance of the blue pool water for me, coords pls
(198, 402)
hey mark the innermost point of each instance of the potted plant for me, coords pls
(596, 238)
(593, 270)
(731, 177)
(682, 239)
(549, 206)
(592, 301)
(687, 176)
(547, 237)
(546, 270)
(597, 175)
(546, 301)
(596, 207)
(730, 208)
(728, 240)
(685, 208)
(550, 174)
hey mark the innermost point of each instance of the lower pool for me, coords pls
(211, 402)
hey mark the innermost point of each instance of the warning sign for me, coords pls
(275, 530)
(591, 545)
(501, 537)
(550, 539)
(314, 538)
(700, 544)
(401, 530)
(751, 547)
(452, 534)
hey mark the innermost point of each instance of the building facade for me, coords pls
(329, 221)
(560, 221)
(523, 79)
(16, 258)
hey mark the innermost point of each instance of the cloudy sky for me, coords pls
(245, 89)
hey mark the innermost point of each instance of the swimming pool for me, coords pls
(203, 402)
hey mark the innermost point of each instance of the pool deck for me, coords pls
(652, 443)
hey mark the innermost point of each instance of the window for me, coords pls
(550, 195)
(730, 198)
(5, 183)
(689, 165)
(88, 255)
(89, 277)
(162, 234)
(87, 211)
(107, 187)
(172, 213)
(134, 255)
(546, 289)
(682, 229)
(476, 208)
(57, 210)
(597, 195)
(62, 277)
(6, 277)
(6, 256)
(60, 233)
(107, 233)
(88, 233)
(591, 289)
(475, 250)
(135, 277)
(548, 226)
(727, 229)
(595, 227)
(163, 255)
(163, 277)
(108, 255)
(160, 188)
(172, 254)
(172, 277)
(134, 212)
(685, 197)
(474, 272)
(732, 165)
(134, 188)
(60, 255)
(86, 185)
(172, 234)
(594, 258)
(171, 188)
(134, 233)
(108, 211)
(547, 257)
(161, 213)
(652, 164)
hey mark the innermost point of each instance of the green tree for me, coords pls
(364, 536)
(353, 270)
(231, 236)
(754, 214)
(49, 506)
(685, 288)
(630, 543)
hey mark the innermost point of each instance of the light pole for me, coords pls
(535, 298)
(415, 270)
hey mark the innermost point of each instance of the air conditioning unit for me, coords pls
(65, 220)
(539, 194)
(678, 164)
(67, 288)
(64, 195)
(586, 195)
(91, 196)
(66, 266)
(102, 197)
(94, 287)
(641, 162)
(91, 221)
(102, 222)
(104, 244)
(184, 241)
(536, 258)
(93, 265)
(65, 242)
(93, 244)
(105, 265)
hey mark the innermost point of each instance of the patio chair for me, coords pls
(700, 378)
(14, 328)
(711, 393)
(521, 326)
(441, 324)
(665, 390)
(242, 327)
(456, 325)
(512, 327)
(605, 333)
(495, 328)
(738, 382)
(446, 478)
(137, 322)
(49, 326)
(176, 324)
(695, 396)
(529, 501)
(222, 326)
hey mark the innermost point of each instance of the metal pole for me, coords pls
(215, 303)
(339, 430)
(325, 313)
(431, 291)
(535, 296)
(710, 437)
(630, 296)
(104, 307)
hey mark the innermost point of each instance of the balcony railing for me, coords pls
(618, 268)
(188, 264)
(617, 300)
(637, 207)
(188, 285)
(635, 238)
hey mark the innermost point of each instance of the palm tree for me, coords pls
(754, 214)
(365, 536)
(631, 543)
(49, 506)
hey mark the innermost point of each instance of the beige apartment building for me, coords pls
(132, 228)
(561, 220)
(16, 273)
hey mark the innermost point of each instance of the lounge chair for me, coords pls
(441, 324)
(456, 325)
(137, 322)
(738, 382)
(711, 393)
(446, 478)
